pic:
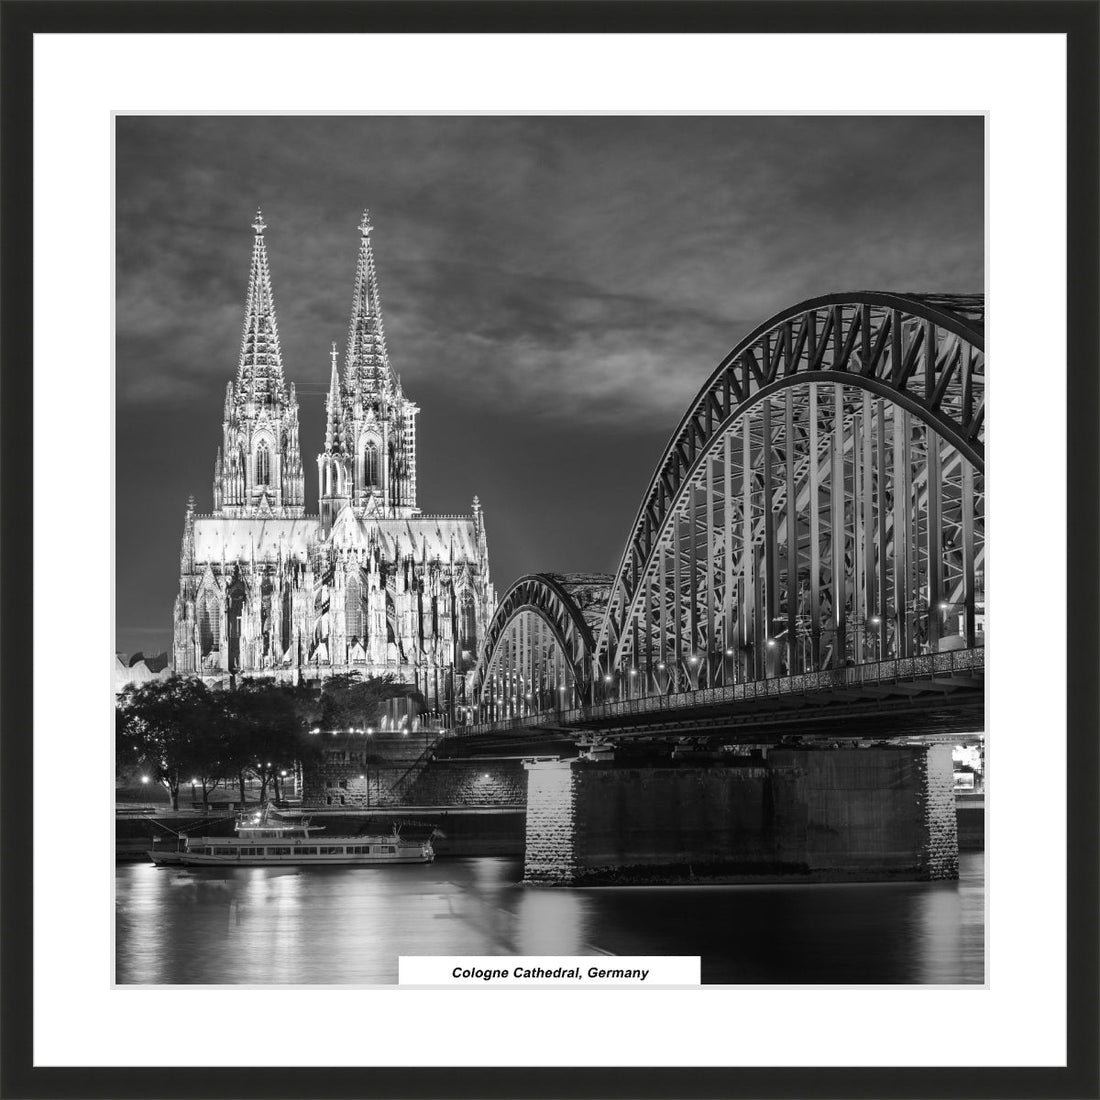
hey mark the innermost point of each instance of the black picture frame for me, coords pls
(20, 20)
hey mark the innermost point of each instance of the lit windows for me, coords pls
(263, 464)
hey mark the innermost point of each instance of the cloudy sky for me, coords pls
(555, 291)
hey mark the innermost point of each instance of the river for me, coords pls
(258, 925)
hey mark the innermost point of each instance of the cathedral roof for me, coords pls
(260, 372)
(264, 538)
(419, 537)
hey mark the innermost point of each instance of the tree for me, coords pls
(168, 729)
(348, 701)
(266, 730)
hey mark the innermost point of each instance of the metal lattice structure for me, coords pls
(538, 650)
(820, 505)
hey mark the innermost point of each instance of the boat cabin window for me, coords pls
(332, 851)
(388, 848)
(225, 851)
(256, 851)
(307, 851)
(280, 851)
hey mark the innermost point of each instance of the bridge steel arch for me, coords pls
(538, 649)
(820, 504)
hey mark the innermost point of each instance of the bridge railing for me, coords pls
(899, 670)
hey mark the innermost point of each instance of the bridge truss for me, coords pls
(820, 506)
(538, 650)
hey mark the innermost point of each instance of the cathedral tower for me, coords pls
(369, 458)
(258, 470)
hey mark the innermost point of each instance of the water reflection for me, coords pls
(331, 925)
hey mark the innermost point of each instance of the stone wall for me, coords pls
(549, 851)
(885, 811)
(401, 772)
(844, 814)
(469, 783)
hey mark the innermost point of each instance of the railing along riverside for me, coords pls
(899, 669)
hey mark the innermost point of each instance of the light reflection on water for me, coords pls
(332, 925)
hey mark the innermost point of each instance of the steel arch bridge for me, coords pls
(538, 650)
(819, 506)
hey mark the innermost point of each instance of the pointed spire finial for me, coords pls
(191, 499)
(258, 224)
(365, 226)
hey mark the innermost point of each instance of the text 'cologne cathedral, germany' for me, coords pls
(370, 584)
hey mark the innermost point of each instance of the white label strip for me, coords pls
(524, 971)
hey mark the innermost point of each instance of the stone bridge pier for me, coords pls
(800, 814)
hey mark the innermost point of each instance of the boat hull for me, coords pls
(187, 859)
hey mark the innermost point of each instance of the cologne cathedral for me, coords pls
(370, 584)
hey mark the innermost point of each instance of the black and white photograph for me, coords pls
(502, 590)
(554, 537)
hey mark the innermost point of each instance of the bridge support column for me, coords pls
(813, 814)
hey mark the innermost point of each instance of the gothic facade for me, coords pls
(370, 583)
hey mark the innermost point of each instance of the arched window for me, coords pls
(210, 622)
(468, 623)
(263, 464)
(353, 609)
(370, 466)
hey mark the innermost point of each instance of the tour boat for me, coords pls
(267, 838)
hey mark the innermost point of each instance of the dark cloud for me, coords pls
(555, 291)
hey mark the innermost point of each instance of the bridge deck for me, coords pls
(935, 693)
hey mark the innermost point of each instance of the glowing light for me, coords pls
(729, 652)
(370, 730)
(661, 665)
(361, 777)
(771, 643)
(486, 775)
(145, 779)
(694, 660)
(608, 679)
(195, 781)
(875, 620)
(633, 672)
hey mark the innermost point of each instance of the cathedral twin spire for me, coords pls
(369, 456)
(260, 373)
(367, 370)
(258, 470)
